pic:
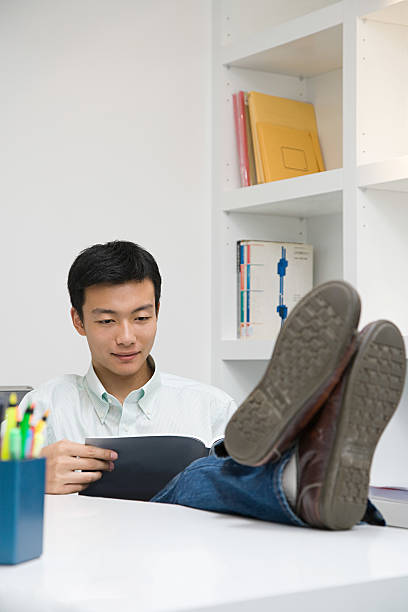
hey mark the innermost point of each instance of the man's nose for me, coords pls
(126, 334)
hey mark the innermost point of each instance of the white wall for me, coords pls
(105, 134)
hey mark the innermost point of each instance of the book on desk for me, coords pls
(392, 502)
(145, 464)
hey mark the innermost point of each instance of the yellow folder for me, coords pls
(286, 152)
(283, 112)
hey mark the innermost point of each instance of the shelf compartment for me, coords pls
(382, 55)
(389, 175)
(302, 196)
(306, 46)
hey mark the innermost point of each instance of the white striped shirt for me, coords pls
(80, 407)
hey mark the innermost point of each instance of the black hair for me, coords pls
(112, 263)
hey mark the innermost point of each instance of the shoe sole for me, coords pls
(371, 396)
(311, 352)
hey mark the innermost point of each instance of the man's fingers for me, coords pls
(82, 477)
(73, 483)
(92, 464)
(65, 464)
(94, 452)
(66, 448)
(74, 449)
(70, 488)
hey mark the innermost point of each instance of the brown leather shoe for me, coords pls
(310, 355)
(336, 450)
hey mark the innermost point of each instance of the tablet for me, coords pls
(145, 464)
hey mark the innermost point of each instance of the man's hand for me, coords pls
(64, 457)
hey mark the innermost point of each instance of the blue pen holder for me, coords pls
(22, 487)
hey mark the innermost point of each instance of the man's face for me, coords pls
(120, 323)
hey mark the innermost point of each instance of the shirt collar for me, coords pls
(149, 388)
(98, 392)
(141, 395)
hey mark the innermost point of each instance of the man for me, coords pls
(115, 295)
(297, 451)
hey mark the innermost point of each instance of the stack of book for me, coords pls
(272, 278)
(277, 138)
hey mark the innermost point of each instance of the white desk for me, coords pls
(112, 555)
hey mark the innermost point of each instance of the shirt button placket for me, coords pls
(125, 419)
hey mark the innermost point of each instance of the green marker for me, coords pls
(25, 424)
(15, 443)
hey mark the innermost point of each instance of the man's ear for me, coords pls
(76, 320)
(157, 310)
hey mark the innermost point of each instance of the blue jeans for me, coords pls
(220, 484)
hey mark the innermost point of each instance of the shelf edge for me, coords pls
(310, 185)
(381, 173)
(246, 350)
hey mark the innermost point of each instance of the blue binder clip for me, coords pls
(281, 309)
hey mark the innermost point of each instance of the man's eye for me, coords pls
(106, 321)
(142, 318)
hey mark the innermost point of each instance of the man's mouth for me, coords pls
(126, 356)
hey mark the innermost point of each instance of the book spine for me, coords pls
(240, 292)
(250, 144)
(257, 152)
(244, 137)
(240, 131)
(248, 276)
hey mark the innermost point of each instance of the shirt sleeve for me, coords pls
(225, 411)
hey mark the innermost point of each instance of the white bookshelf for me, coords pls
(349, 59)
(292, 50)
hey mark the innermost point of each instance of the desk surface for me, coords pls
(105, 554)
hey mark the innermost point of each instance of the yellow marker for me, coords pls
(10, 424)
(41, 423)
(38, 443)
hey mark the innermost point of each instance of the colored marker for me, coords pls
(38, 443)
(32, 429)
(28, 444)
(15, 443)
(41, 423)
(25, 425)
